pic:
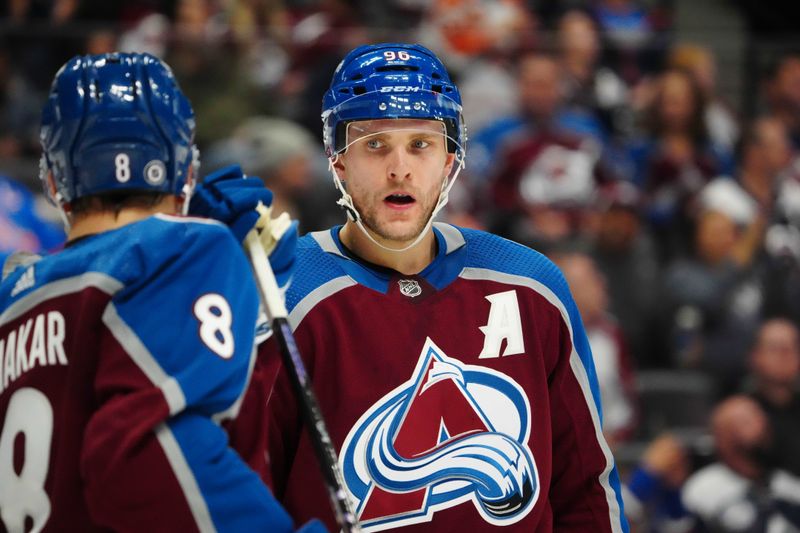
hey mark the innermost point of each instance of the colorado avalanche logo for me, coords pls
(451, 434)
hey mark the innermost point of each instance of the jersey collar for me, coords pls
(444, 268)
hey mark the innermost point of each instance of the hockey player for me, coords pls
(451, 365)
(120, 354)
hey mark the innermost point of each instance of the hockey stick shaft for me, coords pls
(274, 306)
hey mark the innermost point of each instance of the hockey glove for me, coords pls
(243, 203)
(278, 236)
(231, 197)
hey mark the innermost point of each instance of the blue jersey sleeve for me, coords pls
(194, 310)
(178, 357)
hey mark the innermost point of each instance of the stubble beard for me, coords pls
(384, 230)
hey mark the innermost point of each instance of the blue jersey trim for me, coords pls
(442, 271)
(613, 479)
(449, 261)
(320, 261)
(363, 274)
(224, 495)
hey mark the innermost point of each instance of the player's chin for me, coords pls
(399, 222)
(398, 231)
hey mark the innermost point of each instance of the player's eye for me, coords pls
(420, 143)
(374, 143)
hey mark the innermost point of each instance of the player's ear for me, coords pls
(339, 167)
(449, 162)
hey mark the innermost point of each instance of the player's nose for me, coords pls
(398, 164)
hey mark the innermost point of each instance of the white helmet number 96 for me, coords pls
(391, 55)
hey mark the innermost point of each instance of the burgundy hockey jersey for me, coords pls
(460, 399)
(117, 357)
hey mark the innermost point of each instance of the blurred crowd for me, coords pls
(595, 136)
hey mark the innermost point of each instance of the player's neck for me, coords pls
(412, 261)
(93, 222)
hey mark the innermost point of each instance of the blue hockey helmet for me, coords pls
(116, 122)
(391, 80)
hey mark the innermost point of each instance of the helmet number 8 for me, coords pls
(122, 163)
(402, 55)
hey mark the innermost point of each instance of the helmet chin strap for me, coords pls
(62, 213)
(188, 186)
(346, 202)
(186, 197)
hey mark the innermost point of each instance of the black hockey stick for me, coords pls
(275, 308)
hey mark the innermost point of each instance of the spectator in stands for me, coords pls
(466, 30)
(478, 40)
(606, 339)
(635, 36)
(625, 253)
(594, 93)
(320, 34)
(782, 94)
(676, 159)
(764, 157)
(653, 492)
(722, 122)
(545, 176)
(102, 41)
(773, 383)
(712, 300)
(741, 492)
(770, 178)
(210, 67)
(540, 92)
(779, 271)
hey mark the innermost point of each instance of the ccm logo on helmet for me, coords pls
(400, 89)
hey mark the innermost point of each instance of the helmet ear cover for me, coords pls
(116, 123)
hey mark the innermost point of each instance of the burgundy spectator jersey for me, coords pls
(549, 167)
(117, 356)
(460, 399)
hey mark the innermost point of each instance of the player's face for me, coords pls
(394, 170)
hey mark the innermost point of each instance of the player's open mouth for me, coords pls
(399, 199)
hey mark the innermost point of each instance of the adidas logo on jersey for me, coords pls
(26, 281)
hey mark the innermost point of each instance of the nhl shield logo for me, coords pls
(409, 287)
